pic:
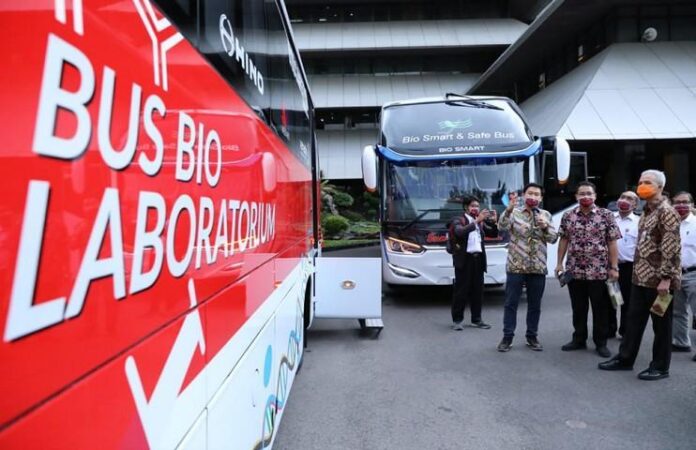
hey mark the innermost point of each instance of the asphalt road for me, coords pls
(422, 385)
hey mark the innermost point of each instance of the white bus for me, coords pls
(431, 153)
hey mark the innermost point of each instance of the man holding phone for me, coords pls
(469, 259)
(530, 231)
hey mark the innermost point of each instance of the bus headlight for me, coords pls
(398, 246)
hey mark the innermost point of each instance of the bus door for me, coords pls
(350, 288)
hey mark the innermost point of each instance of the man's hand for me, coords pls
(483, 215)
(541, 221)
(559, 270)
(512, 196)
(663, 287)
(613, 274)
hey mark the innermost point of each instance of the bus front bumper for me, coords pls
(434, 267)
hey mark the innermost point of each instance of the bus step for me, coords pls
(375, 325)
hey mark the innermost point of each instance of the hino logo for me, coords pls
(163, 37)
(235, 49)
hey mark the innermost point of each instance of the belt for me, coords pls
(621, 263)
(689, 269)
(474, 255)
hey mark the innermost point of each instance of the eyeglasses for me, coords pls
(681, 202)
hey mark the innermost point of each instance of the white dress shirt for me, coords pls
(629, 236)
(473, 245)
(687, 230)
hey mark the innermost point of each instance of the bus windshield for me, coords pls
(434, 191)
(454, 127)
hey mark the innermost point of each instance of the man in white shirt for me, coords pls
(469, 260)
(685, 297)
(627, 221)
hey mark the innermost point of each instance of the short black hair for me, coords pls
(468, 200)
(588, 184)
(533, 185)
(690, 197)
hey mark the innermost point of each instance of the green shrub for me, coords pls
(364, 229)
(371, 214)
(352, 215)
(371, 199)
(342, 199)
(334, 225)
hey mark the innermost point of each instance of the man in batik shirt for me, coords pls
(656, 270)
(589, 234)
(530, 230)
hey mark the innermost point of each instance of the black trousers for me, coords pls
(468, 288)
(642, 299)
(584, 293)
(625, 274)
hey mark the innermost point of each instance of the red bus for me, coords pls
(158, 229)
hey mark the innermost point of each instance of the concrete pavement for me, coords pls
(422, 385)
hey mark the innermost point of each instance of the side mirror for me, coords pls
(561, 149)
(369, 168)
(562, 160)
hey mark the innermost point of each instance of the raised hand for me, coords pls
(512, 196)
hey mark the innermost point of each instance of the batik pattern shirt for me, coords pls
(527, 247)
(588, 238)
(658, 253)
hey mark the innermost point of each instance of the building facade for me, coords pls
(617, 78)
(360, 55)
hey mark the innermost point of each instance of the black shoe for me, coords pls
(652, 374)
(614, 364)
(505, 345)
(693, 322)
(534, 344)
(681, 348)
(694, 358)
(603, 351)
(481, 324)
(573, 345)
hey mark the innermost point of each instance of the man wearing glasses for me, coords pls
(588, 234)
(685, 296)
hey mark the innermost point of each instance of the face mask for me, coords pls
(645, 191)
(624, 205)
(474, 212)
(531, 202)
(683, 210)
(586, 201)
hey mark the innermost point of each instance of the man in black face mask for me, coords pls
(469, 259)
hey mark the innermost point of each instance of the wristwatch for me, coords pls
(614, 268)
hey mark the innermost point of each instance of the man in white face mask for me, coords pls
(627, 222)
(685, 296)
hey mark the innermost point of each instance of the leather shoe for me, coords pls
(573, 345)
(694, 358)
(603, 351)
(652, 374)
(614, 364)
(681, 348)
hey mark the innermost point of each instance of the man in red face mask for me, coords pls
(469, 260)
(656, 270)
(685, 297)
(589, 234)
(530, 231)
(628, 224)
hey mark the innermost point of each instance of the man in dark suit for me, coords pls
(469, 258)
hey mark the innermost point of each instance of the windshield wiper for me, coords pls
(473, 104)
(423, 213)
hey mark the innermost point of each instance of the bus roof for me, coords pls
(418, 101)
